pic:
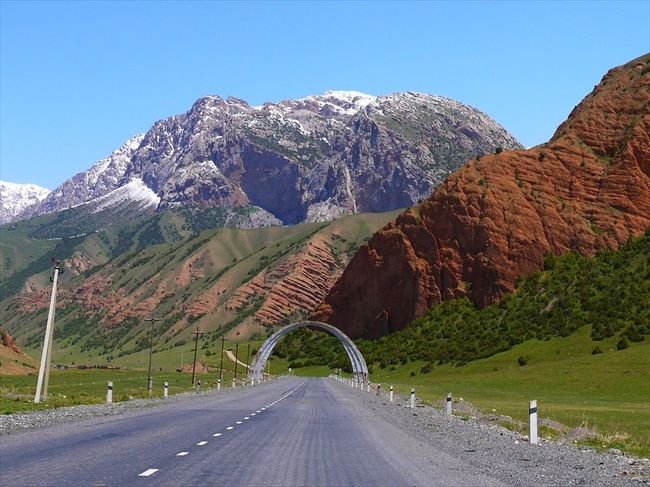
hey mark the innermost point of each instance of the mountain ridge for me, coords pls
(310, 159)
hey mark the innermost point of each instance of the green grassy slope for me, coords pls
(175, 276)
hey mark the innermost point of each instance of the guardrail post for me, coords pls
(109, 393)
(412, 399)
(198, 386)
(390, 394)
(234, 384)
(368, 386)
(378, 389)
(449, 404)
(218, 384)
(532, 412)
(166, 389)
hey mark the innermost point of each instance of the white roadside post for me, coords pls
(449, 404)
(198, 386)
(368, 386)
(378, 389)
(166, 389)
(234, 384)
(532, 412)
(390, 394)
(109, 393)
(218, 384)
(412, 399)
(46, 356)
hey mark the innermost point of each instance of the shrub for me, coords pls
(522, 361)
(498, 150)
(412, 374)
(622, 344)
(426, 368)
(596, 351)
(632, 334)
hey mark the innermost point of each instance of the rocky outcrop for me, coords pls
(311, 159)
(495, 219)
(13, 361)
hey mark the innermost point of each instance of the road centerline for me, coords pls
(148, 472)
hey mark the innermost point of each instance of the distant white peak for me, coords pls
(134, 190)
(16, 197)
(30, 188)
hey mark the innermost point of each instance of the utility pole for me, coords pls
(236, 358)
(248, 356)
(197, 334)
(223, 338)
(46, 356)
(149, 377)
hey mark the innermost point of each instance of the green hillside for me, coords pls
(188, 283)
(609, 292)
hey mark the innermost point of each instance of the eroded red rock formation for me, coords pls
(495, 219)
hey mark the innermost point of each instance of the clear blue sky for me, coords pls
(77, 79)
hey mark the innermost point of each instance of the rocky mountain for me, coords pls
(311, 159)
(497, 218)
(14, 198)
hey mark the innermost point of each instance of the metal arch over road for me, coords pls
(359, 367)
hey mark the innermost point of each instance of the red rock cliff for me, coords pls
(496, 218)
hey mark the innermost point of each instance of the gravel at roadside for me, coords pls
(504, 454)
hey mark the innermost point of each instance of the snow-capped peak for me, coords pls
(356, 98)
(16, 197)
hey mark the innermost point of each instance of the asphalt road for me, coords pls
(292, 432)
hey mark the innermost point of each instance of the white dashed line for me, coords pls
(238, 422)
(201, 443)
(217, 434)
(247, 417)
(146, 473)
(258, 411)
(252, 414)
(230, 427)
(182, 454)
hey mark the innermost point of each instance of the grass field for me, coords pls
(72, 387)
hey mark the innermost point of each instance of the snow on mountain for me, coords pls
(309, 159)
(104, 176)
(16, 197)
(133, 191)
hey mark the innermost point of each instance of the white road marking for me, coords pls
(201, 443)
(238, 422)
(247, 417)
(258, 411)
(252, 414)
(230, 427)
(146, 473)
(182, 454)
(217, 434)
